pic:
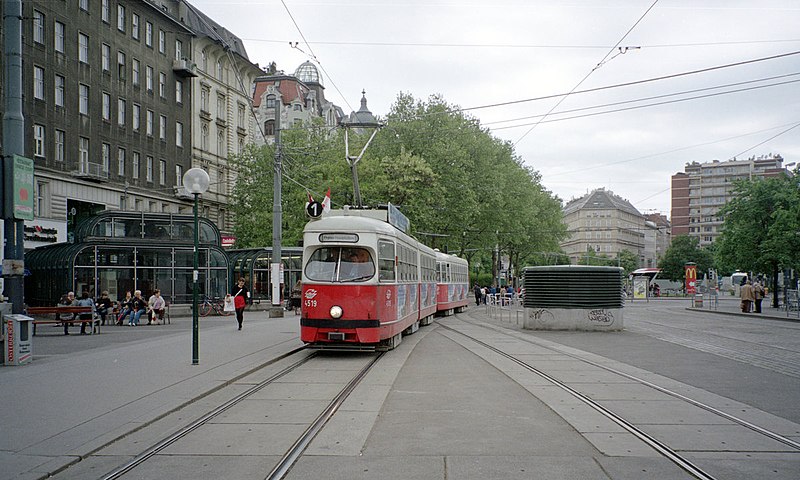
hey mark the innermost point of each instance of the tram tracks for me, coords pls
(661, 446)
(158, 445)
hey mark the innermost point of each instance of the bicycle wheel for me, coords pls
(205, 309)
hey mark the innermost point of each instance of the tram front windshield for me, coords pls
(340, 264)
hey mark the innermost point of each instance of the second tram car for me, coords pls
(365, 281)
(452, 284)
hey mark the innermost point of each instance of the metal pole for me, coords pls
(195, 293)
(277, 219)
(14, 139)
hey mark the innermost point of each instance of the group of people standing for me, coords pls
(481, 293)
(752, 293)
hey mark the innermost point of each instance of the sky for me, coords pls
(548, 75)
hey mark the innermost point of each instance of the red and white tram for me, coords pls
(365, 281)
(452, 284)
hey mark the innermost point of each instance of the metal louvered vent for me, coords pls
(573, 286)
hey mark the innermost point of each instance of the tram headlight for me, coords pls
(336, 311)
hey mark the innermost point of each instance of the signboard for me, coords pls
(397, 219)
(20, 171)
(691, 278)
(228, 241)
(640, 286)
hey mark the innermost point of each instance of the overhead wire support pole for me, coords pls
(277, 218)
(14, 144)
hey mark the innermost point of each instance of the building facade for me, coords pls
(657, 238)
(604, 223)
(702, 189)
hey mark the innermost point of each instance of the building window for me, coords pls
(178, 175)
(149, 167)
(38, 27)
(178, 92)
(120, 18)
(221, 150)
(121, 162)
(104, 10)
(270, 101)
(149, 78)
(137, 111)
(83, 48)
(135, 26)
(221, 106)
(106, 107)
(105, 153)
(204, 137)
(269, 127)
(241, 116)
(148, 34)
(121, 111)
(179, 134)
(241, 146)
(136, 161)
(219, 70)
(162, 127)
(59, 87)
(178, 50)
(121, 60)
(162, 172)
(38, 83)
(38, 140)
(83, 154)
(162, 42)
(162, 85)
(150, 120)
(41, 199)
(135, 72)
(84, 5)
(83, 99)
(105, 57)
(204, 94)
(60, 134)
(203, 61)
(58, 37)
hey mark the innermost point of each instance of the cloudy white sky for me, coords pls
(480, 53)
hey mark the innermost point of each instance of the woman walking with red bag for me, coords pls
(240, 301)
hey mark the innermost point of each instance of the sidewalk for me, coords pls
(731, 306)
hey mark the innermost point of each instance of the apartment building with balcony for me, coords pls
(702, 189)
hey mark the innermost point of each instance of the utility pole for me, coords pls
(14, 144)
(277, 218)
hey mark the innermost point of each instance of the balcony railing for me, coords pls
(91, 171)
(184, 68)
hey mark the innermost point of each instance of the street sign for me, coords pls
(20, 170)
(314, 209)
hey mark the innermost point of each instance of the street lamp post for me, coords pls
(195, 180)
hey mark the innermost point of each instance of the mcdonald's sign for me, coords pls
(691, 278)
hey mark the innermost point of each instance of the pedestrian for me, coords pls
(85, 301)
(67, 300)
(155, 308)
(139, 306)
(296, 294)
(240, 301)
(478, 294)
(125, 307)
(103, 306)
(747, 297)
(758, 295)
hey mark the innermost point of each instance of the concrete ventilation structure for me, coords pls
(572, 297)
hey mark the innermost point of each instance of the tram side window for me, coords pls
(386, 261)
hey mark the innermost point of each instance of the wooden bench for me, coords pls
(55, 311)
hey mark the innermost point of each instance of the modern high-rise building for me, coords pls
(702, 189)
(605, 223)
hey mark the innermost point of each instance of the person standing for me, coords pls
(240, 301)
(477, 290)
(758, 295)
(747, 297)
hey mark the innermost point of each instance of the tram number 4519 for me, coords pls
(311, 303)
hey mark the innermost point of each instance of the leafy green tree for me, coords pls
(684, 249)
(628, 260)
(761, 227)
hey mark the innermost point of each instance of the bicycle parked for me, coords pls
(213, 304)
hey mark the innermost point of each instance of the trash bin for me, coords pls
(698, 300)
(17, 348)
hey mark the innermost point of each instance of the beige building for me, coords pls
(605, 223)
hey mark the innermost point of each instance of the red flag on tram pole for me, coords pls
(326, 203)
